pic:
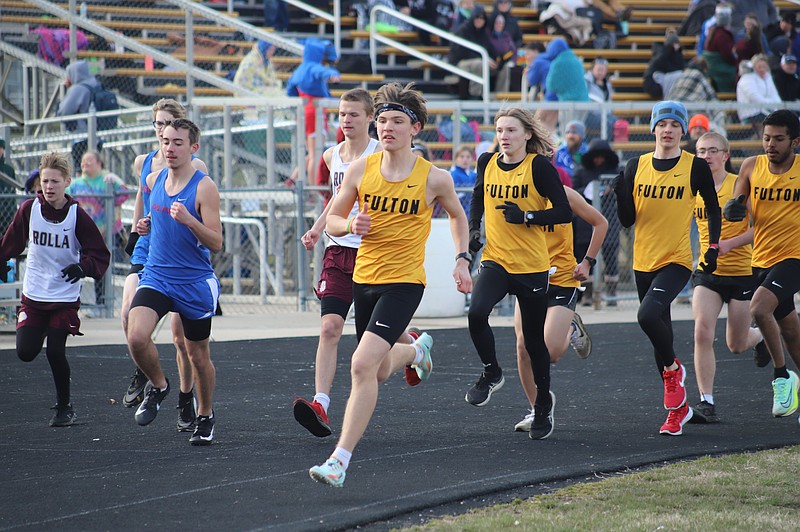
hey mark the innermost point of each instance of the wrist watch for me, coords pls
(529, 217)
(591, 260)
(464, 255)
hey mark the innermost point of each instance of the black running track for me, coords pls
(424, 448)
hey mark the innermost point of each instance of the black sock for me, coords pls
(185, 397)
(781, 373)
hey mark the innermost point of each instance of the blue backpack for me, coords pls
(104, 100)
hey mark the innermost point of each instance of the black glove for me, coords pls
(709, 264)
(4, 269)
(618, 184)
(132, 239)
(73, 273)
(475, 243)
(512, 213)
(736, 209)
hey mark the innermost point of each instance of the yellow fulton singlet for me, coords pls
(664, 207)
(737, 261)
(394, 249)
(560, 249)
(515, 247)
(775, 200)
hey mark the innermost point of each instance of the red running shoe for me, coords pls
(411, 374)
(674, 390)
(676, 419)
(312, 416)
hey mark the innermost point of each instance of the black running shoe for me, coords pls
(135, 393)
(148, 410)
(64, 416)
(204, 431)
(761, 354)
(187, 412)
(481, 393)
(704, 412)
(542, 425)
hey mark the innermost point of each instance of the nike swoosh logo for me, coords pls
(776, 284)
(746, 292)
(67, 229)
(411, 186)
(560, 297)
(676, 175)
(519, 175)
(793, 177)
(538, 289)
(656, 289)
(181, 199)
(379, 324)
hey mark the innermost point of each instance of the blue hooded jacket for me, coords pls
(537, 73)
(311, 76)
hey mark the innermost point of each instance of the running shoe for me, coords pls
(543, 421)
(425, 366)
(204, 431)
(149, 408)
(784, 402)
(704, 412)
(579, 339)
(761, 354)
(674, 390)
(331, 473)
(64, 416)
(676, 419)
(135, 392)
(481, 393)
(312, 416)
(187, 413)
(525, 424)
(411, 374)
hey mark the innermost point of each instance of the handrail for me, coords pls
(378, 37)
(334, 18)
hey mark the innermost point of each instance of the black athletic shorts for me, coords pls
(740, 288)
(386, 309)
(560, 296)
(783, 280)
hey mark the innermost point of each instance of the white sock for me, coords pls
(323, 399)
(760, 336)
(707, 397)
(343, 455)
(419, 354)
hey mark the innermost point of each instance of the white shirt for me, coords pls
(52, 246)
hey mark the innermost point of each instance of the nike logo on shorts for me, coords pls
(379, 324)
(560, 297)
(538, 289)
(776, 284)
(657, 289)
(746, 292)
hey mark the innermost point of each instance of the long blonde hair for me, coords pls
(540, 137)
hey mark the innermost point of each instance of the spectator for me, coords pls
(88, 190)
(80, 84)
(564, 82)
(561, 17)
(276, 15)
(569, 155)
(475, 31)
(600, 90)
(699, 13)
(422, 10)
(665, 67)
(535, 78)
(786, 40)
(718, 51)
(33, 185)
(310, 81)
(599, 159)
(503, 7)
(764, 11)
(256, 72)
(462, 14)
(786, 79)
(464, 174)
(750, 41)
(693, 84)
(505, 51)
(7, 206)
(699, 125)
(757, 88)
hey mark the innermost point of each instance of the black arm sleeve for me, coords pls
(476, 206)
(702, 182)
(548, 184)
(626, 210)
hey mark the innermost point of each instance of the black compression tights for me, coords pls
(492, 285)
(29, 345)
(657, 290)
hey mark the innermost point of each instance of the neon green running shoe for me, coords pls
(331, 473)
(425, 366)
(784, 402)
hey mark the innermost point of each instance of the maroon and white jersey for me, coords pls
(337, 176)
(52, 246)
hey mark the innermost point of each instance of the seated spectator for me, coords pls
(757, 88)
(561, 17)
(693, 84)
(786, 40)
(718, 52)
(600, 90)
(276, 15)
(699, 13)
(256, 72)
(511, 26)
(535, 72)
(564, 83)
(665, 67)
(750, 41)
(475, 31)
(462, 14)
(464, 174)
(570, 153)
(422, 10)
(505, 51)
(764, 11)
(786, 79)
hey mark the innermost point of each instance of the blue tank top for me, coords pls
(175, 253)
(143, 244)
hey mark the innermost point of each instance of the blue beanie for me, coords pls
(669, 109)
